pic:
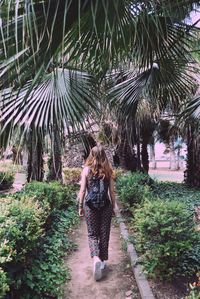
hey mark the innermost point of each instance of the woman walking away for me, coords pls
(97, 205)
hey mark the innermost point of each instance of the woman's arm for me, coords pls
(82, 191)
(112, 192)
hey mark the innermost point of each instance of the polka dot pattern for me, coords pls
(98, 224)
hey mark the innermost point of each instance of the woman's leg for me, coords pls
(93, 218)
(106, 216)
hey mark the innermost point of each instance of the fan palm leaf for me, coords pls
(166, 84)
(63, 97)
(192, 109)
(97, 34)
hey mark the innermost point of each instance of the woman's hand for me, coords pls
(81, 212)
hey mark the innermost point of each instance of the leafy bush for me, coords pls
(167, 238)
(47, 272)
(194, 293)
(55, 194)
(31, 253)
(133, 188)
(4, 287)
(194, 289)
(72, 175)
(168, 191)
(117, 173)
(8, 166)
(20, 226)
(6, 180)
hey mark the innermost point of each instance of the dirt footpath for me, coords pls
(119, 283)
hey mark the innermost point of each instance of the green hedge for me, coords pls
(6, 180)
(20, 226)
(4, 284)
(33, 226)
(167, 238)
(72, 175)
(163, 222)
(54, 194)
(169, 191)
(194, 289)
(134, 188)
(47, 273)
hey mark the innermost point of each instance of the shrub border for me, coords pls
(142, 282)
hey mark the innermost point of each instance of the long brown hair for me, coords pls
(98, 163)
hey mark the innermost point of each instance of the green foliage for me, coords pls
(47, 273)
(133, 188)
(194, 294)
(117, 173)
(168, 191)
(20, 226)
(8, 166)
(4, 287)
(194, 289)
(72, 175)
(6, 180)
(166, 236)
(55, 194)
(33, 227)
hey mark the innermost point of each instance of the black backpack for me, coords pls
(97, 196)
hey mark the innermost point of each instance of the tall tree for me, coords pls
(191, 116)
(99, 35)
(55, 160)
(192, 172)
(35, 163)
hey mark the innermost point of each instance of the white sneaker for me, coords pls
(97, 273)
(103, 265)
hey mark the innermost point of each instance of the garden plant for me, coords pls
(71, 68)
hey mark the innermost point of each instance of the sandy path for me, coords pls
(119, 279)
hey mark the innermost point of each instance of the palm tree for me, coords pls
(62, 99)
(147, 130)
(190, 117)
(166, 135)
(151, 87)
(35, 34)
(125, 150)
(38, 36)
(35, 163)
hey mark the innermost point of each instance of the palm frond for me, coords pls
(98, 34)
(166, 84)
(192, 109)
(63, 97)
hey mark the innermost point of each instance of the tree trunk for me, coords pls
(55, 161)
(178, 159)
(126, 155)
(172, 157)
(35, 163)
(139, 166)
(145, 157)
(152, 156)
(192, 172)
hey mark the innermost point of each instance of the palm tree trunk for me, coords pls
(153, 156)
(178, 159)
(55, 161)
(35, 163)
(172, 157)
(145, 157)
(139, 165)
(126, 155)
(192, 173)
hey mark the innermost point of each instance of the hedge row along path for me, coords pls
(118, 284)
